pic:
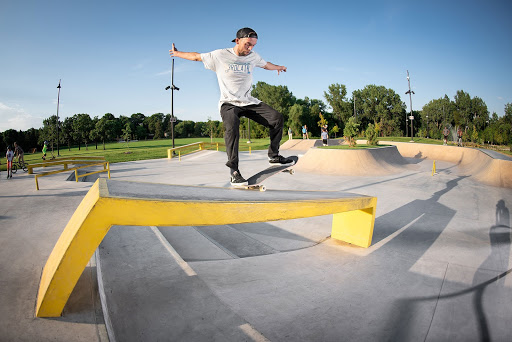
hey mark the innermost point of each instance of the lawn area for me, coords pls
(135, 150)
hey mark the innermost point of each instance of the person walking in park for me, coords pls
(305, 132)
(325, 136)
(290, 133)
(459, 137)
(18, 152)
(9, 156)
(445, 134)
(234, 68)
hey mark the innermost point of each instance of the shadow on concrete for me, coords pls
(429, 210)
(380, 182)
(445, 312)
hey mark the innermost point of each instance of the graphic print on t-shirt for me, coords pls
(239, 68)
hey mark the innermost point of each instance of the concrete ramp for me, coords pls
(472, 162)
(298, 144)
(363, 162)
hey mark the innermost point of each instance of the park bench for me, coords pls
(112, 202)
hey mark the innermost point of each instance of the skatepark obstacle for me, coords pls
(124, 203)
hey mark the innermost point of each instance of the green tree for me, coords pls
(82, 125)
(277, 97)
(381, 105)
(67, 131)
(296, 117)
(105, 129)
(371, 134)
(127, 132)
(335, 130)
(350, 131)
(322, 122)
(49, 131)
(336, 97)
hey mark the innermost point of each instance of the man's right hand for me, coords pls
(173, 51)
(191, 56)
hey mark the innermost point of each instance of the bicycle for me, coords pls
(16, 164)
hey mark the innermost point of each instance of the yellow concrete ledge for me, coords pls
(121, 203)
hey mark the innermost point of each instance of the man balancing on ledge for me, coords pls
(234, 67)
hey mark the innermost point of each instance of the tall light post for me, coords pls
(427, 126)
(354, 95)
(410, 92)
(58, 100)
(173, 88)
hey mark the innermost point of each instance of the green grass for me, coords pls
(135, 150)
(416, 140)
(155, 149)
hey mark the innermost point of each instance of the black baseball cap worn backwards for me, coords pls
(245, 32)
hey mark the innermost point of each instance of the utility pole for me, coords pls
(173, 88)
(354, 96)
(410, 92)
(58, 100)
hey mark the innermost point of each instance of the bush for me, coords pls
(350, 131)
(371, 134)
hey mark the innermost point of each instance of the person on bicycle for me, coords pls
(459, 137)
(9, 156)
(18, 152)
(445, 133)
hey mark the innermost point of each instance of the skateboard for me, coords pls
(255, 182)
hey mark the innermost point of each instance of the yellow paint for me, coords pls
(106, 168)
(434, 168)
(353, 222)
(63, 162)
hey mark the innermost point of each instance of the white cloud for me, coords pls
(16, 118)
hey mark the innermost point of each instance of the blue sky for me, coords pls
(113, 56)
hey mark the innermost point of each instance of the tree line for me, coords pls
(377, 107)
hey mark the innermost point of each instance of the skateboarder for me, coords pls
(234, 67)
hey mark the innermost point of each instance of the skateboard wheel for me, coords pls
(263, 188)
(292, 171)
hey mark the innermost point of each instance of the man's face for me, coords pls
(245, 45)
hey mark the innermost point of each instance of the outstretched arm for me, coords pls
(270, 66)
(191, 56)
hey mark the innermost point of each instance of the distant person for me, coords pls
(9, 156)
(45, 148)
(18, 152)
(234, 68)
(459, 137)
(305, 132)
(290, 133)
(325, 136)
(445, 133)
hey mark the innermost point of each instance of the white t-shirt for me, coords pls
(234, 74)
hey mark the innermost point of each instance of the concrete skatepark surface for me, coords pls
(438, 268)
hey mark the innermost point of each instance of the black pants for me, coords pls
(260, 113)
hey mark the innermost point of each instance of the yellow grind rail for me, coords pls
(111, 203)
(185, 149)
(63, 161)
(106, 168)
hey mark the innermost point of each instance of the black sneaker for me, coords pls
(279, 160)
(237, 179)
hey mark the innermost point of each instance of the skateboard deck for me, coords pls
(255, 182)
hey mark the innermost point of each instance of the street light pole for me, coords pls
(354, 96)
(410, 92)
(57, 123)
(173, 88)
